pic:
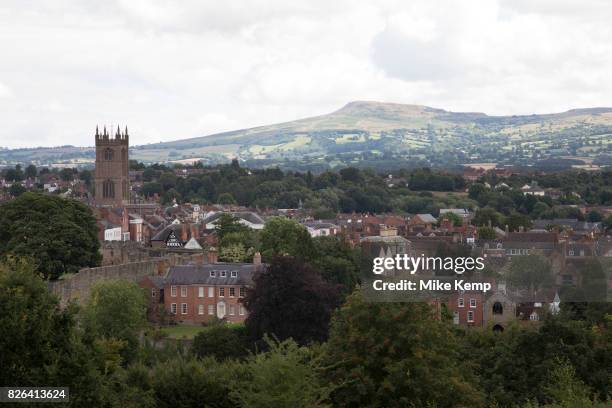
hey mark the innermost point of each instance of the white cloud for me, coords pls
(171, 70)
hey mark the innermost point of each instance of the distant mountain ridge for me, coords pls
(367, 130)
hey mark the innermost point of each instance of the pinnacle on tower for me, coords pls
(126, 132)
(105, 131)
(118, 134)
(97, 133)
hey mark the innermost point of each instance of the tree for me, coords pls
(453, 218)
(30, 171)
(486, 216)
(395, 355)
(67, 174)
(594, 216)
(116, 309)
(486, 233)
(517, 220)
(41, 343)
(290, 299)
(226, 198)
(16, 190)
(59, 234)
(285, 376)
(337, 262)
(221, 341)
(228, 224)
(150, 189)
(282, 236)
(187, 383)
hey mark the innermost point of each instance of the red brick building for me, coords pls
(467, 308)
(201, 293)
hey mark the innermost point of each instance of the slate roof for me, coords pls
(249, 216)
(200, 274)
(427, 218)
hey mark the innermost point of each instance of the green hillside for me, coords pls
(371, 131)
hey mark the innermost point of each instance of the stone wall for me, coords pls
(77, 286)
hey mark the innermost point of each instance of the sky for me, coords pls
(171, 70)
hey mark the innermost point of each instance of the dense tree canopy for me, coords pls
(290, 299)
(60, 235)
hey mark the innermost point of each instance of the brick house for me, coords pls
(200, 293)
(467, 308)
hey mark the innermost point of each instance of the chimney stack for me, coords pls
(257, 258)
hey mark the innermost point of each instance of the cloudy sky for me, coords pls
(176, 69)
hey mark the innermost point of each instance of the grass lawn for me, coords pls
(182, 331)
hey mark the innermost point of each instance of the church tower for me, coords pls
(111, 179)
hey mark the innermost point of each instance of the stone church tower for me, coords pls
(112, 180)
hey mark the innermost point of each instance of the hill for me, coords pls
(372, 131)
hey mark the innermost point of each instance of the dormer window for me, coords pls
(213, 274)
(234, 274)
(224, 274)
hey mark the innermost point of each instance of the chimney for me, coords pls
(257, 258)
(184, 237)
(194, 231)
(212, 255)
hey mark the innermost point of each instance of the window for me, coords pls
(472, 303)
(173, 308)
(200, 309)
(232, 310)
(201, 291)
(211, 291)
(183, 291)
(232, 292)
(470, 317)
(455, 317)
(213, 274)
(153, 293)
(242, 291)
(234, 274)
(498, 308)
(173, 291)
(221, 292)
(460, 302)
(211, 309)
(109, 154)
(241, 310)
(183, 308)
(534, 317)
(224, 274)
(108, 189)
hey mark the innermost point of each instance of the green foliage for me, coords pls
(337, 262)
(395, 355)
(226, 198)
(116, 309)
(285, 376)
(290, 299)
(456, 220)
(41, 343)
(221, 341)
(189, 383)
(60, 235)
(485, 216)
(521, 365)
(285, 237)
(486, 233)
(516, 220)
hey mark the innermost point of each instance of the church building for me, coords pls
(111, 177)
